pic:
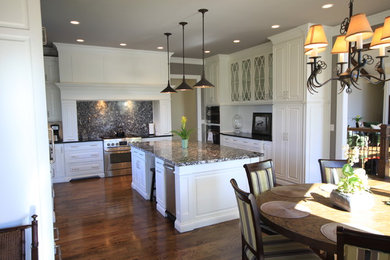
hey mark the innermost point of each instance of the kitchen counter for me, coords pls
(249, 136)
(196, 153)
(192, 184)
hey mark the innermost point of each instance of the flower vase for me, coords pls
(184, 143)
(352, 202)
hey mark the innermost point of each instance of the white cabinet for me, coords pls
(84, 159)
(251, 75)
(58, 166)
(288, 143)
(69, 120)
(216, 72)
(53, 94)
(162, 116)
(253, 145)
(141, 163)
(289, 70)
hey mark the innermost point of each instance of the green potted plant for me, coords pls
(184, 133)
(352, 192)
(357, 119)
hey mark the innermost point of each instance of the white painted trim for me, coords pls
(66, 46)
(179, 76)
(341, 122)
(386, 94)
(186, 60)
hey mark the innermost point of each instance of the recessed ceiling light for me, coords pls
(160, 48)
(327, 6)
(207, 51)
(275, 26)
(236, 41)
(80, 40)
(122, 44)
(74, 22)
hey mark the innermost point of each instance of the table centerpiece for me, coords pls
(352, 192)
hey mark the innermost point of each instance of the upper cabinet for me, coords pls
(288, 70)
(216, 71)
(53, 94)
(251, 75)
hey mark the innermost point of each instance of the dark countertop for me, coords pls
(99, 139)
(196, 153)
(249, 136)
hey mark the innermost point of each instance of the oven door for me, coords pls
(117, 162)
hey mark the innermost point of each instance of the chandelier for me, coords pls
(353, 30)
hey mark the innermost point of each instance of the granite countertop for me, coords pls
(100, 139)
(196, 153)
(249, 136)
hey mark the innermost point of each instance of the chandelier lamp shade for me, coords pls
(168, 89)
(183, 86)
(349, 46)
(203, 82)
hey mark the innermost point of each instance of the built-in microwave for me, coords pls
(212, 115)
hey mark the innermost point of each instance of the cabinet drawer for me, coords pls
(84, 157)
(82, 169)
(84, 146)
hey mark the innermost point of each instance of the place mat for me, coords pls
(328, 187)
(292, 191)
(329, 230)
(285, 209)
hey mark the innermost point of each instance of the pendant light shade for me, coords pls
(386, 29)
(203, 82)
(340, 45)
(168, 89)
(316, 37)
(359, 28)
(183, 86)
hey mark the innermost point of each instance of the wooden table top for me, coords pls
(307, 229)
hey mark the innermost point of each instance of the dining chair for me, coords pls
(331, 170)
(261, 177)
(12, 241)
(361, 245)
(254, 246)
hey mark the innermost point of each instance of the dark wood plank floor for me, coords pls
(106, 219)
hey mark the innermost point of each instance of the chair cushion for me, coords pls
(353, 252)
(280, 247)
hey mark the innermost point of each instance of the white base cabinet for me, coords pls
(58, 166)
(84, 160)
(141, 164)
(248, 144)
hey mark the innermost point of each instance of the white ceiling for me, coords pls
(142, 23)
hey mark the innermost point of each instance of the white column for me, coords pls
(341, 122)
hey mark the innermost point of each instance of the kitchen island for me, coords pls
(191, 184)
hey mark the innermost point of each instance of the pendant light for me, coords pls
(168, 89)
(183, 86)
(203, 82)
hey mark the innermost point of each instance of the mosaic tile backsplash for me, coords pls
(97, 119)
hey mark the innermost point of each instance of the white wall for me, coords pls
(246, 113)
(25, 186)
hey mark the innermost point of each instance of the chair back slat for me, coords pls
(353, 245)
(261, 176)
(331, 170)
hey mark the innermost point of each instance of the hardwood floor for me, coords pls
(106, 219)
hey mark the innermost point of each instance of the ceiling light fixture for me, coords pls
(168, 89)
(203, 82)
(354, 29)
(80, 40)
(275, 26)
(207, 52)
(123, 44)
(183, 86)
(326, 6)
(75, 22)
(160, 48)
(236, 41)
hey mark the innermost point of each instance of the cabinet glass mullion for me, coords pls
(234, 82)
(260, 92)
(246, 80)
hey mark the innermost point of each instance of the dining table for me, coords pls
(304, 213)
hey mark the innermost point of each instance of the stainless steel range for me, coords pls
(117, 155)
